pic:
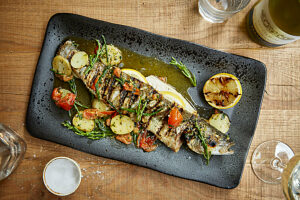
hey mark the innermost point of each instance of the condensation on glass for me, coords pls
(12, 150)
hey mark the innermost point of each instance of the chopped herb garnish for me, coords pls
(75, 44)
(206, 153)
(186, 72)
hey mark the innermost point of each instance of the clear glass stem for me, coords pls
(269, 160)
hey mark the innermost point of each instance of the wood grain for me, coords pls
(22, 28)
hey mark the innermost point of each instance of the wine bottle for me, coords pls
(274, 22)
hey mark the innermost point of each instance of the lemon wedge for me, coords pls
(135, 74)
(222, 91)
(163, 87)
(173, 97)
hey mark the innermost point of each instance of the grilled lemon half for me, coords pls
(222, 91)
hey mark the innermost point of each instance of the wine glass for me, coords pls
(274, 162)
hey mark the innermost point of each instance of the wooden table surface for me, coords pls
(22, 29)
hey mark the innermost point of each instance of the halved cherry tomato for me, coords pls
(94, 113)
(129, 87)
(93, 87)
(175, 117)
(114, 114)
(63, 98)
(64, 78)
(146, 142)
(96, 49)
(126, 139)
(117, 72)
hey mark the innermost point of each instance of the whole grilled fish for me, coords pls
(111, 91)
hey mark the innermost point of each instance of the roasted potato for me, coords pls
(114, 56)
(79, 59)
(220, 121)
(100, 105)
(83, 124)
(121, 124)
(61, 66)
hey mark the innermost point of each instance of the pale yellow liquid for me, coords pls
(286, 176)
(286, 15)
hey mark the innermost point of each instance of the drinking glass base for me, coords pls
(269, 160)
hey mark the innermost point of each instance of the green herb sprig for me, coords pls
(94, 135)
(134, 138)
(99, 81)
(79, 104)
(112, 105)
(78, 112)
(206, 153)
(140, 110)
(186, 72)
(73, 86)
(74, 90)
(105, 47)
(93, 58)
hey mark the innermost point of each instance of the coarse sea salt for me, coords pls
(62, 176)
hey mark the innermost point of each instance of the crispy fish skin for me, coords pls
(113, 93)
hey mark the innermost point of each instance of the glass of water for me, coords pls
(218, 11)
(12, 150)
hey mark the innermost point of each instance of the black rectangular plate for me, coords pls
(44, 118)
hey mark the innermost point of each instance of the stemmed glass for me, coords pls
(274, 162)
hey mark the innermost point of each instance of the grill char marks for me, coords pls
(112, 90)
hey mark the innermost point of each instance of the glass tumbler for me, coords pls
(12, 150)
(218, 11)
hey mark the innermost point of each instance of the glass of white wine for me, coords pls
(274, 162)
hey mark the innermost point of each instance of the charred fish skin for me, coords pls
(218, 143)
(112, 92)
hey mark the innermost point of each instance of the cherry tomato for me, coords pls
(93, 87)
(129, 87)
(126, 139)
(94, 113)
(63, 98)
(64, 78)
(117, 72)
(146, 142)
(175, 117)
(96, 49)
